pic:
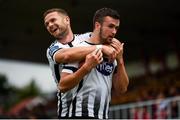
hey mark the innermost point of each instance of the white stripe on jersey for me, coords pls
(101, 109)
(79, 106)
(91, 104)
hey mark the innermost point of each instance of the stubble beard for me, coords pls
(103, 40)
(62, 34)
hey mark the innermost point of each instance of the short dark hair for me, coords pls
(104, 12)
(58, 10)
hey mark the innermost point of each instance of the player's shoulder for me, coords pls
(83, 35)
(56, 43)
(54, 46)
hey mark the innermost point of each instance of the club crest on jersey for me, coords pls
(105, 68)
(53, 49)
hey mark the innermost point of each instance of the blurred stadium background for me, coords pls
(150, 30)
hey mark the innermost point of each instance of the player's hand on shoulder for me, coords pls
(93, 59)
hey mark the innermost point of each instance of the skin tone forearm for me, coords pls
(120, 78)
(69, 81)
(69, 55)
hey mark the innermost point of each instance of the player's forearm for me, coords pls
(70, 81)
(68, 55)
(120, 78)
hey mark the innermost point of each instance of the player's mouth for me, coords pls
(110, 38)
(53, 30)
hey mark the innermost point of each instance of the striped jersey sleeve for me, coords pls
(53, 48)
(70, 67)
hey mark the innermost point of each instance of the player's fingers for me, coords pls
(99, 52)
(115, 46)
(101, 59)
(95, 52)
(122, 45)
(115, 41)
(99, 56)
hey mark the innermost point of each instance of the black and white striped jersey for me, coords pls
(93, 93)
(63, 99)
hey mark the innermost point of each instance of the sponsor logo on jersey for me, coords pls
(105, 68)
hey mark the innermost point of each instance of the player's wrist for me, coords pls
(99, 46)
(86, 68)
(120, 59)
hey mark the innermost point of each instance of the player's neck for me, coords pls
(67, 38)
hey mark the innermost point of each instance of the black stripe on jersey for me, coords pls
(68, 105)
(74, 107)
(70, 68)
(97, 104)
(60, 105)
(75, 99)
(105, 108)
(56, 70)
(85, 105)
(70, 44)
(80, 85)
(89, 43)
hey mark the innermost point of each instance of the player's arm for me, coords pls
(120, 77)
(69, 55)
(70, 80)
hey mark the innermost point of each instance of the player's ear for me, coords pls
(97, 25)
(67, 19)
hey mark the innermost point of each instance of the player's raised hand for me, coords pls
(109, 52)
(118, 46)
